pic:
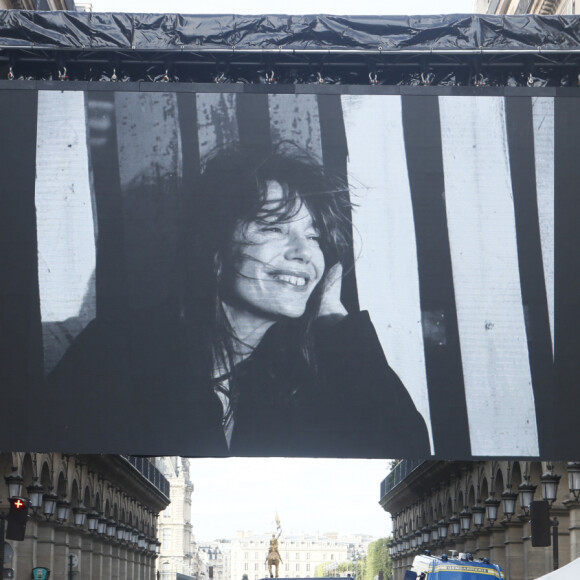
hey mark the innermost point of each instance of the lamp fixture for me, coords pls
(574, 479)
(35, 491)
(79, 515)
(491, 508)
(93, 521)
(62, 510)
(478, 512)
(508, 499)
(455, 525)
(549, 481)
(49, 504)
(526, 492)
(443, 526)
(102, 526)
(14, 482)
(465, 520)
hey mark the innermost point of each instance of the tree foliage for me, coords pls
(377, 560)
(338, 569)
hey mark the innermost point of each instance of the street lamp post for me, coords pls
(549, 482)
(2, 532)
(14, 484)
(555, 556)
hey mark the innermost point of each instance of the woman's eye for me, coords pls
(272, 229)
(314, 238)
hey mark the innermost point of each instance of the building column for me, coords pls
(113, 559)
(153, 563)
(75, 543)
(118, 569)
(443, 547)
(514, 550)
(482, 539)
(528, 549)
(45, 546)
(148, 567)
(132, 568)
(87, 550)
(497, 546)
(563, 516)
(399, 568)
(451, 544)
(61, 543)
(138, 566)
(97, 559)
(406, 563)
(574, 528)
(538, 560)
(460, 542)
(123, 563)
(470, 544)
(147, 564)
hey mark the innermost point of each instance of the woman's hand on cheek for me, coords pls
(331, 304)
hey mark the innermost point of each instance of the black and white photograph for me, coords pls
(246, 273)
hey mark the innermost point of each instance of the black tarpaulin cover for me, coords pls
(104, 31)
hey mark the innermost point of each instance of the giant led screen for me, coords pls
(222, 271)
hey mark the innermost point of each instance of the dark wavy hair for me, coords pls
(231, 192)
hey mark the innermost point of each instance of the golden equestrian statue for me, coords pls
(273, 558)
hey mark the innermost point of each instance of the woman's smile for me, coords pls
(298, 280)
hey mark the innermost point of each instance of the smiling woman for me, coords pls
(269, 235)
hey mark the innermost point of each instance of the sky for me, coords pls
(309, 495)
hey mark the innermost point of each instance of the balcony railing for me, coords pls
(398, 474)
(149, 472)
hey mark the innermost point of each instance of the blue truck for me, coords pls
(458, 566)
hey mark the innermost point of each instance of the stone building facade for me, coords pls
(215, 560)
(92, 515)
(301, 553)
(428, 499)
(175, 528)
(542, 7)
(37, 5)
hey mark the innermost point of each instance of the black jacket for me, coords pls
(130, 387)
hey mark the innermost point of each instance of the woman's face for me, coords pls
(277, 264)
